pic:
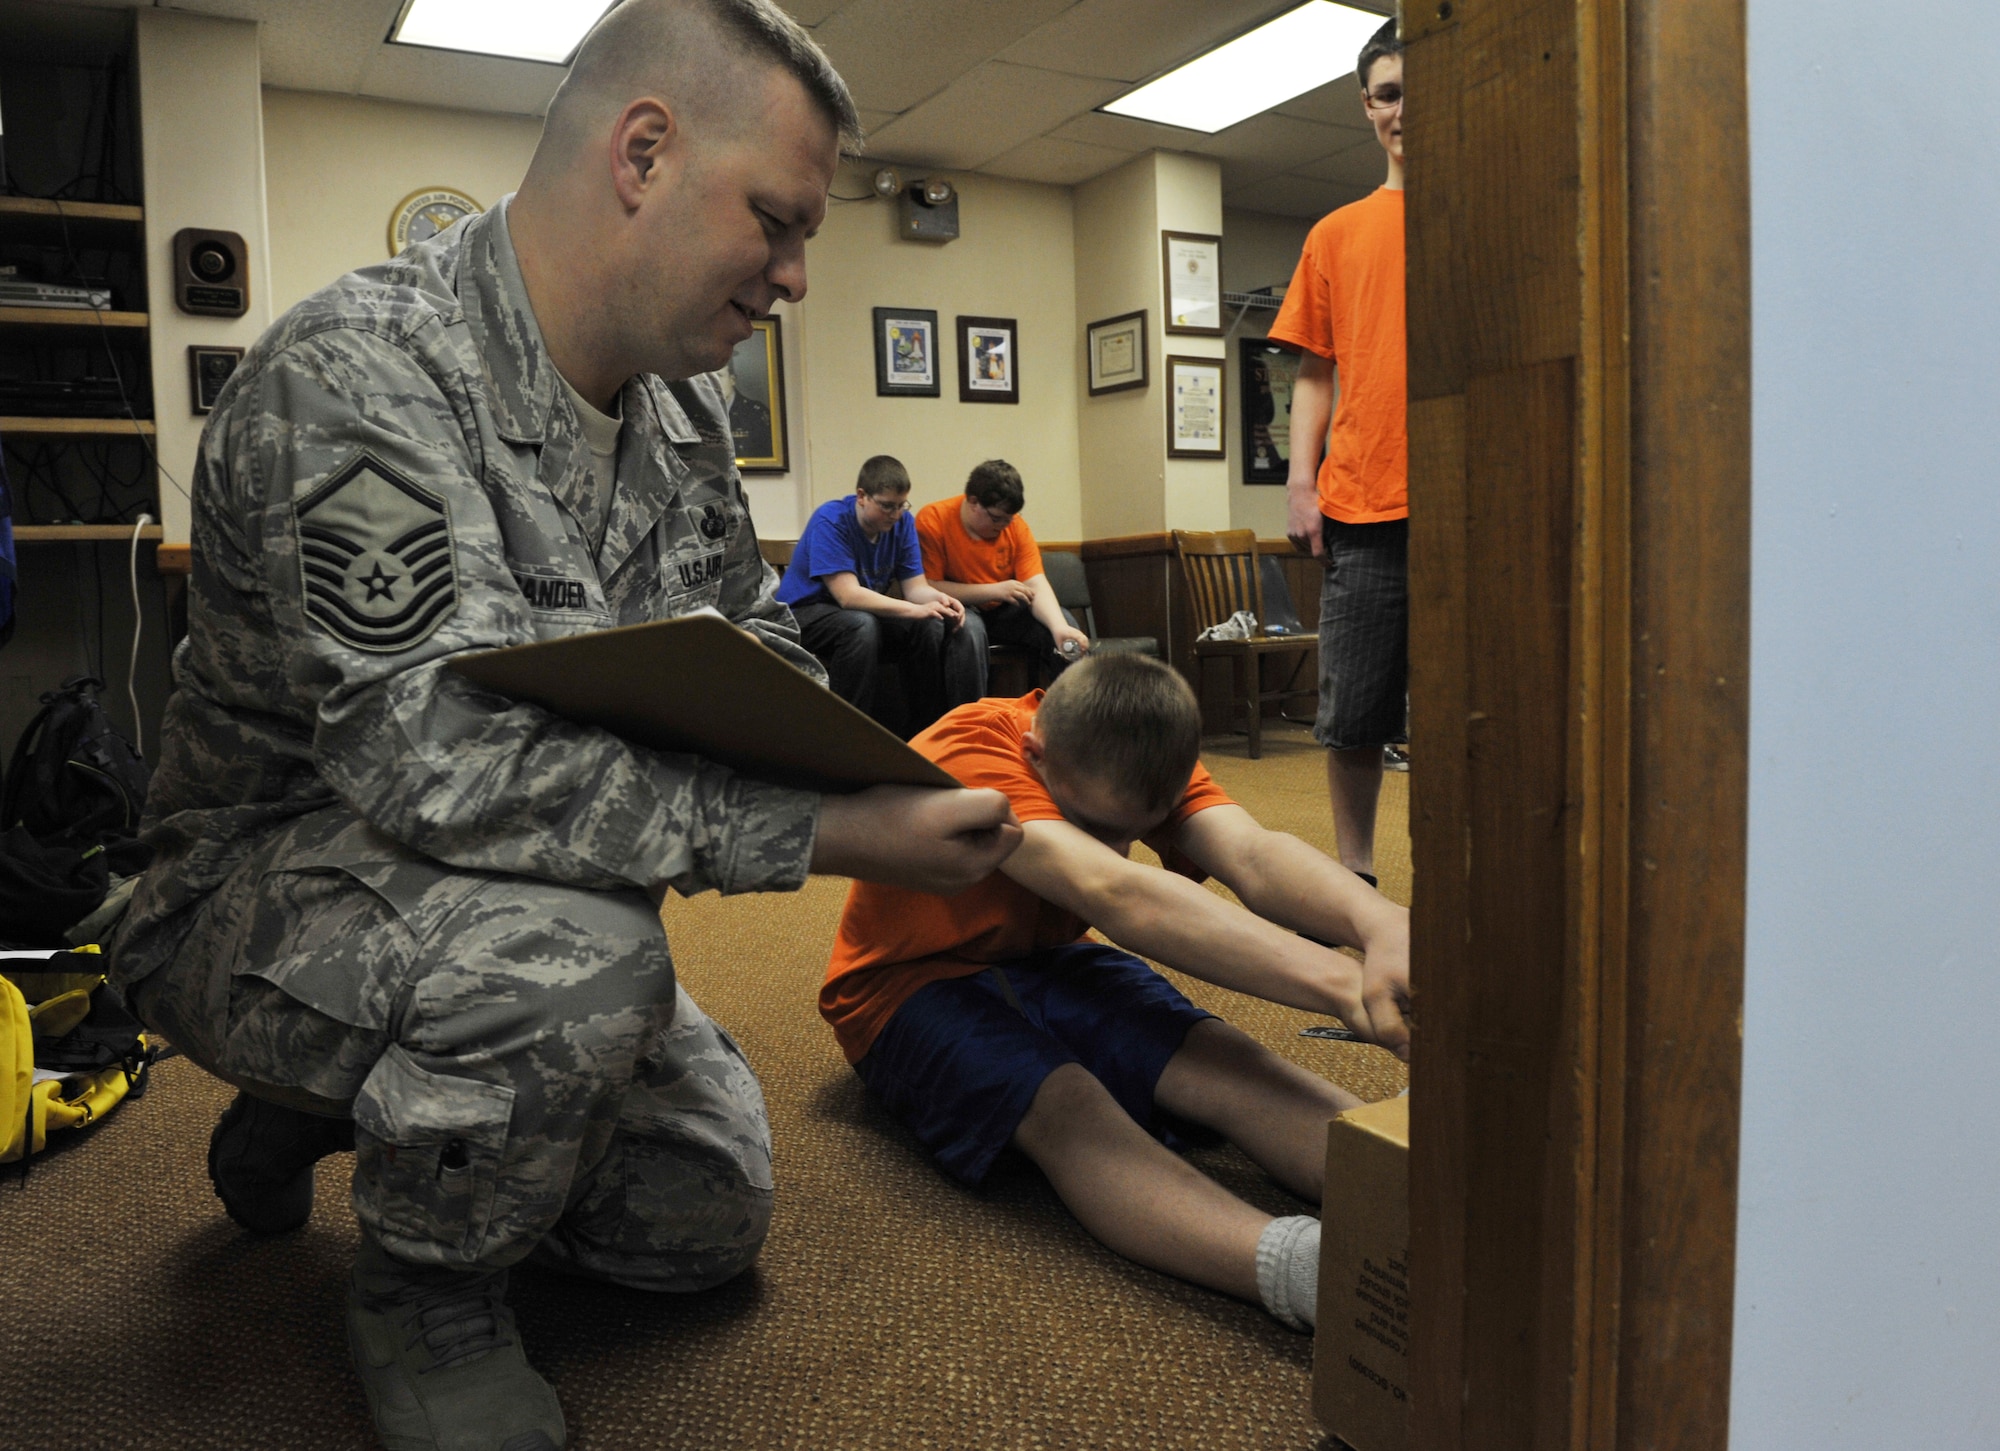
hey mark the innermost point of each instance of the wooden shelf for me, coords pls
(75, 427)
(34, 206)
(81, 533)
(67, 317)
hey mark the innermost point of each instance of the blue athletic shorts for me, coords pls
(960, 1064)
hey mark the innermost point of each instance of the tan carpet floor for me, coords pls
(890, 1307)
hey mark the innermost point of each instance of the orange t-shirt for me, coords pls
(1346, 303)
(893, 941)
(951, 553)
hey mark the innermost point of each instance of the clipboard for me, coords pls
(700, 685)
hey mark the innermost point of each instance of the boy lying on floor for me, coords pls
(986, 1018)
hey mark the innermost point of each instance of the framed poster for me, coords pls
(1192, 262)
(989, 360)
(1268, 372)
(753, 385)
(1196, 409)
(1117, 348)
(906, 360)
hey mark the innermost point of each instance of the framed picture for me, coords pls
(1192, 262)
(1117, 348)
(754, 386)
(906, 355)
(1268, 372)
(989, 360)
(1196, 409)
(208, 369)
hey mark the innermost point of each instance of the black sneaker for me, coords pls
(261, 1157)
(439, 1359)
(1395, 758)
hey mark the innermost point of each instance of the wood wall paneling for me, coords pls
(1690, 305)
(1577, 292)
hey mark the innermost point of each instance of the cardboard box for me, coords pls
(1361, 1351)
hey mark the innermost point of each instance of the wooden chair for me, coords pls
(1223, 577)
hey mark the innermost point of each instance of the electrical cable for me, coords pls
(138, 625)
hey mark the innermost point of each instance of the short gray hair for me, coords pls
(758, 30)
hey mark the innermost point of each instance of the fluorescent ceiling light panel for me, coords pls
(541, 30)
(1300, 51)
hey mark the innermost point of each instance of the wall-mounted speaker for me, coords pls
(211, 273)
(927, 211)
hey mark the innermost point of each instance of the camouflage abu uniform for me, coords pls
(380, 890)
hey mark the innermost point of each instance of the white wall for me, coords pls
(1015, 258)
(201, 139)
(339, 165)
(1868, 1289)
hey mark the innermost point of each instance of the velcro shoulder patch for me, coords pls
(376, 558)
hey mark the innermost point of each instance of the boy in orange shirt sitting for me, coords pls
(988, 1019)
(977, 549)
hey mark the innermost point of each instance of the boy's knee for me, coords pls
(1069, 1105)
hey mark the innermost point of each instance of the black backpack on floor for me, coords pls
(74, 781)
(69, 816)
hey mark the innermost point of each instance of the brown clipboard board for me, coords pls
(700, 685)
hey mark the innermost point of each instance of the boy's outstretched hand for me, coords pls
(1381, 1007)
(926, 838)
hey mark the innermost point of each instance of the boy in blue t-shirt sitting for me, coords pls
(856, 583)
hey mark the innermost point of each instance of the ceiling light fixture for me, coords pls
(1300, 51)
(548, 31)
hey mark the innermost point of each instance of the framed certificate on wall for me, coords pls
(1193, 267)
(1117, 348)
(1196, 408)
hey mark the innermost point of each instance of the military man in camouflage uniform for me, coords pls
(419, 920)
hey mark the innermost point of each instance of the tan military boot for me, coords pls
(438, 1356)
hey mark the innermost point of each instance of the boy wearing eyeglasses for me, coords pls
(856, 585)
(1349, 486)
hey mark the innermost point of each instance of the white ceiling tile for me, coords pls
(1281, 142)
(1293, 196)
(467, 82)
(873, 121)
(1059, 163)
(1337, 103)
(1122, 133)
(1362, 165)
(990, 109)
(895, 53)
(811, 12)
(1237, 173)
(323, 47)
(1129, 40)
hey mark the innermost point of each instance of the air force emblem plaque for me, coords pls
(375, 552)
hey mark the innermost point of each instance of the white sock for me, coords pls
(1288, 1270)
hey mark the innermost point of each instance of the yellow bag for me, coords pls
(45, 1005)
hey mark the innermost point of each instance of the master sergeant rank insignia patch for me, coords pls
(376, 554)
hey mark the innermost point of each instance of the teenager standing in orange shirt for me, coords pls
(1349, 489)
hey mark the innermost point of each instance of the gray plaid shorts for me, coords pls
(1364, 635)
